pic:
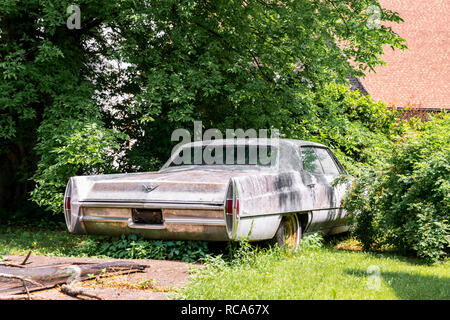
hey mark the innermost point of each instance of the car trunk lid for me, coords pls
(180, 186)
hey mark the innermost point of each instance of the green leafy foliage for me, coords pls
(46, 91)
(355, 127)
(406, 202)
(236, 66)
(133, 247)
(87, 149)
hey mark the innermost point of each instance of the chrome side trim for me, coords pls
(103, 219)
(151, 205)
(209, 222)
(252, 216)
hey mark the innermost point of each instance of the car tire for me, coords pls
(289, 232)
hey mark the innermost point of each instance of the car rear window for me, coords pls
(261, 155)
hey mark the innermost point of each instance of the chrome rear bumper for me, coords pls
(179, 222)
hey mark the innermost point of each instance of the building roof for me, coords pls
(420, 75)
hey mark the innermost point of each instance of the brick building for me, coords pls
(417, 78)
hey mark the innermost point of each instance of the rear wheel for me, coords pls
(289, 232)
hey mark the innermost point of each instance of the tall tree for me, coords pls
(237, 63)
(147, 67)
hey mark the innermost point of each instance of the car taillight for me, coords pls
(232, 208)
(229, 206)
(67, 203)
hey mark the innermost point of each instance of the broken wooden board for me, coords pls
(52, 275)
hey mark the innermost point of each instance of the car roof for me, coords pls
(271, 141)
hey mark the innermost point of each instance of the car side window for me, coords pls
(328, 164)
(310, 161)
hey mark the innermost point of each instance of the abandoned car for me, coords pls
(260, 189)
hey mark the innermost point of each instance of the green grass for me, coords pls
(319, 273)
(48, 242)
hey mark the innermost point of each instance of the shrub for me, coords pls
(355, 127)
(406, 202)
(84, 149)
(133, 247)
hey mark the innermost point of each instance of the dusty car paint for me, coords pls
(188, 202)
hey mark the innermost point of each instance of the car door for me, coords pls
(318, 174)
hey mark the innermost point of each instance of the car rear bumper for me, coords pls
(179, 222)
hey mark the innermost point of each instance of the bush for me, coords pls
(357, 129)
(87, 149)
(133, 247)
(406, 202)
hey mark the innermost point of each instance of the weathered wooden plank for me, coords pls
(50, 276)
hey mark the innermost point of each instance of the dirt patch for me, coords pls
(160, 281)
(348, 247)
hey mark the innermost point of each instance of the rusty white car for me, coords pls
(279, 200)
